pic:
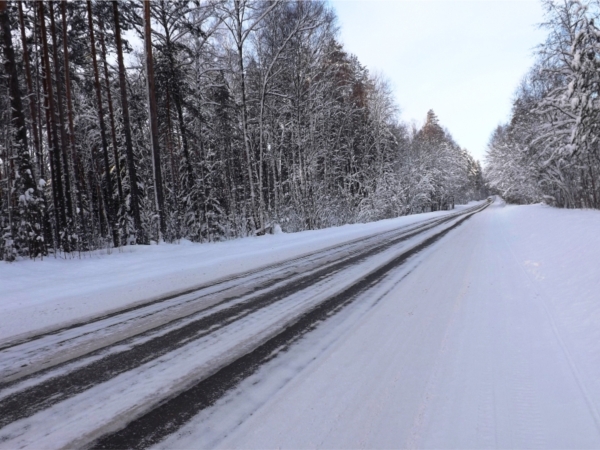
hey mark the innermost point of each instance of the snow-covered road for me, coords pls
(75, 384)
(445, 333)
(490, 342)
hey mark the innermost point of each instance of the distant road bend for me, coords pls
(130, 378)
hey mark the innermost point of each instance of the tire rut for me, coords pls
(40, 396)
(170, 415)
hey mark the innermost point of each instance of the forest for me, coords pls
(137, 122)
(549, 150)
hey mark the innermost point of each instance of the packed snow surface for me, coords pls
(490, 337)
(491, 340)
(114, 392)
(38, 295)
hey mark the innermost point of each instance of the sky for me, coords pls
(462, 58)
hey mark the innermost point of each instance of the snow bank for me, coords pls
(40, 295)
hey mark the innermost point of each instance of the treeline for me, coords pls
(549, 150)
(236, 116)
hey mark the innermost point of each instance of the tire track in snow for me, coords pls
(51, 397)
(241, 278)
(537, 287)
(528, 423)
(27, 356)
(53, 389)
(233, 287)
(433, 393)
(152, 427)
(434, 378)
(486, 412)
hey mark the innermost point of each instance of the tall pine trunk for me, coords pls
(152, 112)
(109, 188)
(133, 182)
(111, 117)
(77, 166)
(61, 119)
(60, 218)
(36, 125)
(177, 97)
(239, 14)
(30, 93)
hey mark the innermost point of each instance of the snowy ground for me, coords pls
(492, 341)
(38, 295)
(73, 385)
(490, 337)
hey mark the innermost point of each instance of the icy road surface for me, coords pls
(106, 381)
(470, 329)
(492, 341)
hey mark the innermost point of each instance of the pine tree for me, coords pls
(108, 191)
(153, 118)
(25, 235)
(131, 168)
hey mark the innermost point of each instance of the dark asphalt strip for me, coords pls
(225, 281)
(212, 284)
(43, 395)
(172, 414)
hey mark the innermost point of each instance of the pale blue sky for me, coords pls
(461, 58)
